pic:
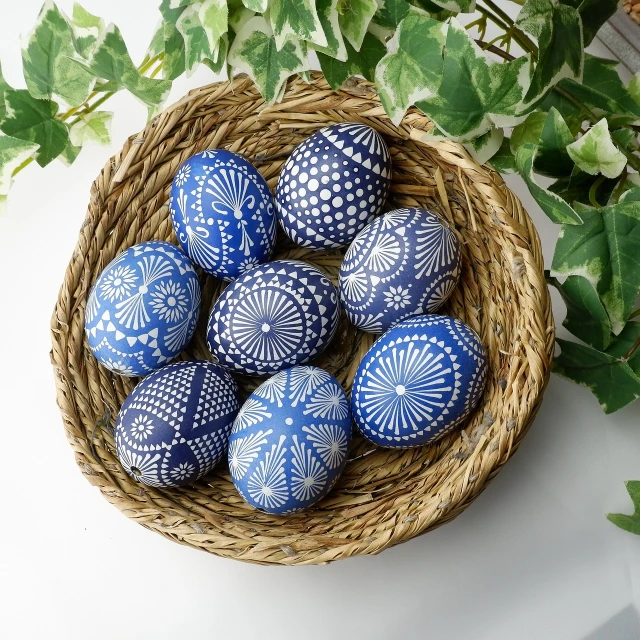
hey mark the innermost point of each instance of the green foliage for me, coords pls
(629, 523)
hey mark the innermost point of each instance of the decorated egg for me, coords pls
(333, 184)
(222, 213)
(404, 263)
(418, 381)
(290, 440)
(143, 308)
(273, 317)
(174, 427)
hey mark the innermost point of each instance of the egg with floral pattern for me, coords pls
(333, 184)
(418, 381)
(404, 263)
(222, 213)
(274, 316)
(174, 427)
(290, 441)
(143, 308)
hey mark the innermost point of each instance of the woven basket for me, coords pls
(384, 496)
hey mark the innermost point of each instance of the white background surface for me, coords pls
(533, 558)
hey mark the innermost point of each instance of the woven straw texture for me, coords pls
(384, 496)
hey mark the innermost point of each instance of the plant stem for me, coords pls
(617, 192)
(593, 191)
(504, 20)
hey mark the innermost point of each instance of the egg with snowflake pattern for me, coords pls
(272, 317)
(222, 213)
(143, 308)
(418, 381)
(289, 443)
(404, 263)
(174, 427)
(333, 184)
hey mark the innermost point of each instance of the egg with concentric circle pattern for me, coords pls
(418, 381)
(275, 316)
(222, 213)
(333, 184)
(143, 308)
(174, 427)
(404, 263)
(290, 441)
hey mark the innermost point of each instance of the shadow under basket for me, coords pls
(384, 496)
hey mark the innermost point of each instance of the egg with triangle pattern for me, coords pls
(174, 427)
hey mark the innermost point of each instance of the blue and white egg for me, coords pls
(275, 316)
(143, 309)
(174, 427)
(223, 213)
(418, 381)
(404, 263)
(290, 441)
(333, 184)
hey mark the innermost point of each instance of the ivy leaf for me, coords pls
(594, 14)
(634, 88)
(254, 51)
(175, 61)
(558, 29)
(214, 17)
(577, 187)
(258, 6)
(392, 13)
(529, 131)
(92, 127)
(485, 146)
(605, 249)
(361, 62)
(111, 61)
(629, 523)
(3, 87)
(632, 195)
(553, 205)
(354, 18)
(412, 69)
(70, 154)
(13, 152)
(35, 121)
(475, 93)
(50, 62)
(220, 58)
(595, 152)
(459, 6)
(552, 158)
(625, 343)
(504, 161)
(610, 379)
(238, 16)
(329, 19)
(295, 21)
(87, 28)
(196, 41)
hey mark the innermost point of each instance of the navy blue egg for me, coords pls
(290, 441)
(405, 263)
(274, 316)
(143, 308)
(418, 381)
(174, 427)
(223, 213)
(333, 184)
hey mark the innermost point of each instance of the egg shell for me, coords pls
(418, 381)
(333, 184)
(404, 263)
(174, 427)
(275, 316)
(143, 308)
(223, 213)
(290, 441)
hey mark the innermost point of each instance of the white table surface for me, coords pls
(533, 558)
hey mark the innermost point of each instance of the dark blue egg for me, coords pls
(418, 381)
(222, 213)
(143, 309)
(333, 184)
(404, 263)
(290, 441)
(273, 317)
(174, 427)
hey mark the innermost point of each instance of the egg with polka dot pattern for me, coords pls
(332, 185)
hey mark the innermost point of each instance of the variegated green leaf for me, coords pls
(552, 158)
(605, 249)
(634, 88)
(328, 15)
(558, 29)
(35, 121)
(595, 152)
(196, 42)
(91, 127)
(485, 147)
(13, 152)
(87, 28)
(504, 161)
(257, 6)
(174, 62)
(254, 51)
(239, 16)
(156, 45)
(553, 205)
(631, 195)
(392, 12)
(459, 6)
(295, 21)
(214, 16)
(3, 87)
(355, 16)
(412, 69)
(70, 154)
(529, 131)
(630, 523)
(50, 62)
(476, 93)
(579, 186)
(218, 62)
(594, 14)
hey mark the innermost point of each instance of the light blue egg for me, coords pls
(143, 308)
(223, 213)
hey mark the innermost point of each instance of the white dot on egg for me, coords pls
(209, 220)
(307, 154)
(294, 184)
(325, 194)
(302, 191)
(325, 179)
(303, 177)
(324, 167)
(313, 184)
(363, 204)
(313, 171)
(314, 159)
(351, 210)
(341, 226)
(372, 198)
(294, 171)
(359, 192)
(326, 208)
(357, 180)
(363, 216)
(335, 176)
(315, 211)
(327, 219)
(339, 215)
(289, 421)
(336, 188)
(337, 201)
(304, 203)
(350, 197)
(348, 185)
